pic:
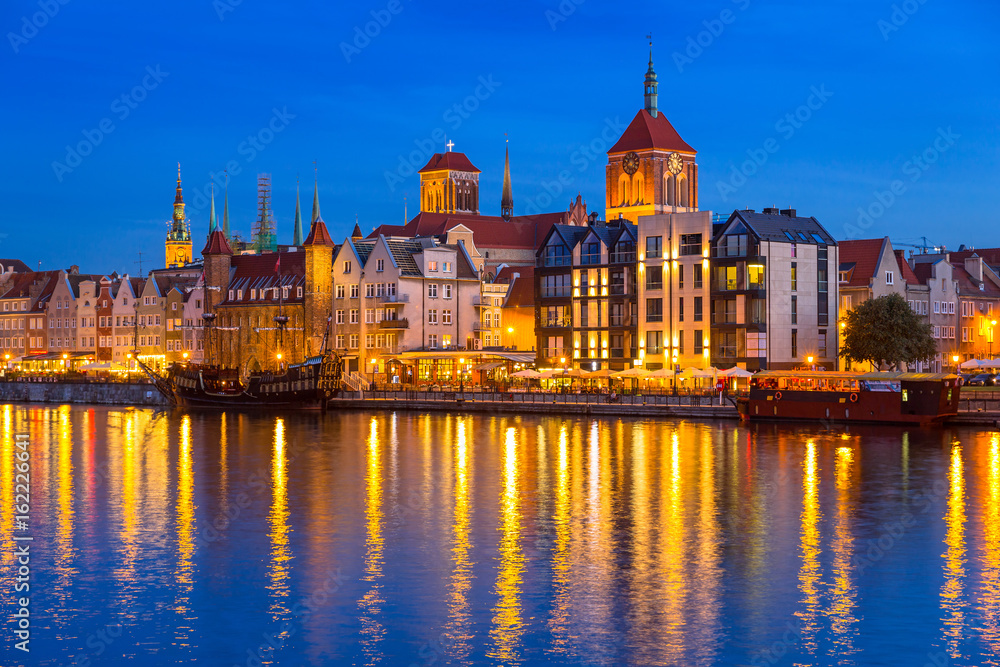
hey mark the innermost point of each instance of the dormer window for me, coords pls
(432, 266)
(888, 277)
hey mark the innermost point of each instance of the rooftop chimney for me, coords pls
(790, 212)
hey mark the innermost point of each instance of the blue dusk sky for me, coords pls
(877, 118)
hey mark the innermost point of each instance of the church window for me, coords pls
(682, 187)
(670, 189)
(638, 187)
(623, 188)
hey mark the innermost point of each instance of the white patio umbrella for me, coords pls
(634, 372)
(973, 364)
(735, 372)
(527, 374)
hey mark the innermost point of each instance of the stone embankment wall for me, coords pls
(111, 393)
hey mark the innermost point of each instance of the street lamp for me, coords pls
(955, 359)
(809, 360)
(510, 334)
(993, 323)
(374, 368)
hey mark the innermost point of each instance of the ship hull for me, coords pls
(919, 400)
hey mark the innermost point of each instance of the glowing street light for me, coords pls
(374, 368)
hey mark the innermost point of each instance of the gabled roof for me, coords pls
(781, 228)
(261, 272)
(968, 285)
(521, 293)
(570, 235)
(450, 160)
(861, 259)
(488, 231)
(15, 265)
(645, 132)
(319, 235)
(217, 244)
(904, 268)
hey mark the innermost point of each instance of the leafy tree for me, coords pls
(886, 331)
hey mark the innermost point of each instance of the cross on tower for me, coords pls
(450, 145)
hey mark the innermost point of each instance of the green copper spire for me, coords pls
(211, 214)
(225, 213)
(297, 234)
(316, 201)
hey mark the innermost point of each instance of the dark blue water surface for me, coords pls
(411, 539)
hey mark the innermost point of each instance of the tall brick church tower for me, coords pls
(318, 248)
(651, 169)
(449, 183)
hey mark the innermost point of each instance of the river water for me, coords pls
(418, 539)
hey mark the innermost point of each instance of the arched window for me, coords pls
(670, 189)
(682, 186)
(623, 183)
(638, 187)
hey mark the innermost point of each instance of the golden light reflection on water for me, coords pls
(508, 626)
(843, 602)
(372, 630)
(185, 519)
(7, 558)
(459, 628)
(809, 570)
(559, 616)
(707, 583)
(989, 594)
(64, 531)
(278, 530)
(673, 562)
(953, 590)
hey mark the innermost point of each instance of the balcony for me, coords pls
(558, 323)
(390, 299)
(559, 260)
(485, 300)
(587, 260)
(402, 323)
(651, 285)
(620, 321)
(622, 258)
(617, 289)
(617, 352)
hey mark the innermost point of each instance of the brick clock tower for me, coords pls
(178, 245)
(651, 169)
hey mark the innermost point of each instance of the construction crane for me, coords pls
(923, 247)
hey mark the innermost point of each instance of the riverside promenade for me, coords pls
(976, 407)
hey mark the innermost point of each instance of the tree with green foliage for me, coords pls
(886, 331)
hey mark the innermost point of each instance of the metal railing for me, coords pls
(401, 323)
(475, 395)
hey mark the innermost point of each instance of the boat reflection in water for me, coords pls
(421, 539)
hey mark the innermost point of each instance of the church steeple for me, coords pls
(297, 234)
(177, 246)
(650, 86)
(211, 213)
(178, 204)
(225, 212)
(507, 200)
(315, 215)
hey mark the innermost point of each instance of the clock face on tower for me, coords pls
(630, 163)
(674, 163)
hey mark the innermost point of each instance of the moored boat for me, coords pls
(877, 397)
(303, 386)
